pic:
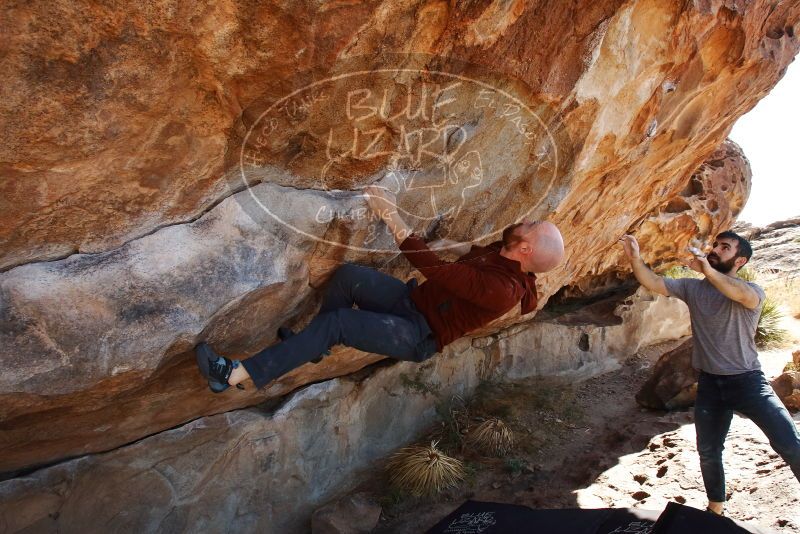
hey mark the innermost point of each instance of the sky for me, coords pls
(769, 137)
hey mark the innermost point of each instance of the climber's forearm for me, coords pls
(383, 204)
(397, 226)
(451, 246)
(648, 278)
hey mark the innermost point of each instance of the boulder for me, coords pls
(787, 387)
(120, 120)
(591, 340)
(175, 173)
(352, 514)
(117, 364)
(673, 382)
(267, 468)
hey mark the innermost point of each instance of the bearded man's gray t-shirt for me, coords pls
(723, 330)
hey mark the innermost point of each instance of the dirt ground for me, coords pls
(589, 445)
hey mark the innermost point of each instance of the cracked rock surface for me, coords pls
(267, 468)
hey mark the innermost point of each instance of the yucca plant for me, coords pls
(680, 271)
(747, 274)
(423, 470)
(768, 332)
(492, 437)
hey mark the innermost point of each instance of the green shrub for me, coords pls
(769, 333)
(747, 274)
(454, 418)
(514, 465)
(680, 271)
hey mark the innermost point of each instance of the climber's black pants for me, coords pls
(386, 322)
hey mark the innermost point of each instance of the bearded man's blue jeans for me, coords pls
(386, 322)
(751, 395)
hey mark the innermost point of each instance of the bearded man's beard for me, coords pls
(722, 266)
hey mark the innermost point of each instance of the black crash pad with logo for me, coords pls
(475, 517)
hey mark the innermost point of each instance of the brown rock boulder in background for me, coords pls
(673, 382)
(787, 388)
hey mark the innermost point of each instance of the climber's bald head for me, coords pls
(537, 245)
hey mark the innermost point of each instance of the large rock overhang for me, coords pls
(133, 217)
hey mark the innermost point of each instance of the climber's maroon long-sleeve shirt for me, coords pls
(464, 295)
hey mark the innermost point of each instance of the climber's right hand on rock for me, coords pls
(381, 201)
(631, 246)
(384, 204)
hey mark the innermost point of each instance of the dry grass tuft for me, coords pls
(423, 470)
(492, 437)
(787, 290)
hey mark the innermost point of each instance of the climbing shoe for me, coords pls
(285, 333)
(215, 368)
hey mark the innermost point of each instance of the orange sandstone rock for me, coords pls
(130, 132)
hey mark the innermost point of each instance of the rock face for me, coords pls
(121, 349)
(592, 340)
(266, 469)
(775, 249)
(715, 192)
(193, 172)
(123, 119)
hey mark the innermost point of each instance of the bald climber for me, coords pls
(404, 320)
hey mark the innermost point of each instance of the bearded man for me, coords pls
(724, 311)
